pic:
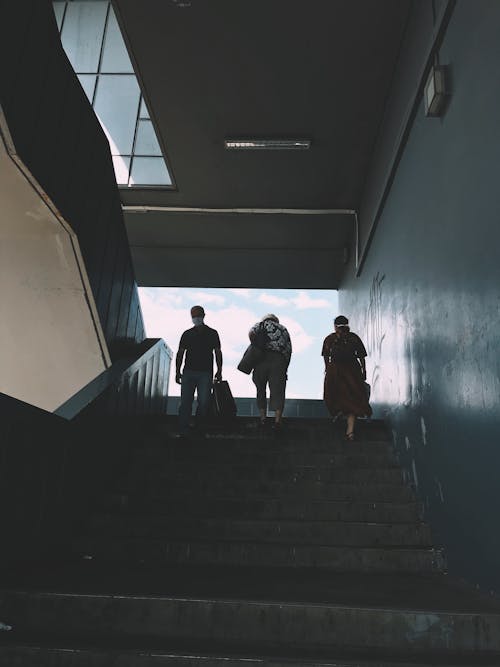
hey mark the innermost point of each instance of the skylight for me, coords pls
(94, 45)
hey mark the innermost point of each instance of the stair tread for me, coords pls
(262, 522)
(242, 543)
(304, 501)
(303, 532)
(270, 509)
(160, 653)
(284, 490)
(302, 585)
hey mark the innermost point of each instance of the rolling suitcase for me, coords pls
(223, 401)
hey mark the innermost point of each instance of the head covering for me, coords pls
(270, 316)
(341, 321)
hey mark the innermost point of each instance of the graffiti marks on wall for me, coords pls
(374, 326)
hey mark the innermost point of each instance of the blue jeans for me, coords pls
(191, 380)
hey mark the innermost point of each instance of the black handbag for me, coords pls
(223, 401)
(254, 352)
(250, 359)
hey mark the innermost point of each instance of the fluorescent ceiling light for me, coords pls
(267, 144)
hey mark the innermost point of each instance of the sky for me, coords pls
(307, 314)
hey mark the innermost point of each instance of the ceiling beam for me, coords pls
(254, 211)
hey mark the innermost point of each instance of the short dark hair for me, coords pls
(341, 321)
(197, 309)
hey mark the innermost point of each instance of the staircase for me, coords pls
(242, 549)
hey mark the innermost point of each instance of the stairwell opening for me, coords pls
(307, 314)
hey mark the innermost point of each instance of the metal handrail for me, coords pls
(112, 376)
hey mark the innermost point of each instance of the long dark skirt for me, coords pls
(345, 391)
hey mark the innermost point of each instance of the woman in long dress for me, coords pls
(345, 375)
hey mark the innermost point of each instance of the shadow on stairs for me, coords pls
(242, 547)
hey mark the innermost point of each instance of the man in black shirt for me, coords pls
(199, 343)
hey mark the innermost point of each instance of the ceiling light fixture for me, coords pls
(267, 144)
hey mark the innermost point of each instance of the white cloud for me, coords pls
(301, 340)
(272, 300)
(245, 293)
(303, 301)
(162, 315)
(290, 393)
(206, 297)
(162, 295)
(233, 324)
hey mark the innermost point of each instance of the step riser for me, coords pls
(262, 624)
(276, 450)
(33, 657)
(272, 509)
(174, 491)
(335, 559)
(205, 457)
(291, 532)
(294, 428)
(255, 475)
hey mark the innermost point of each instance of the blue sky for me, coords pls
(307, 314)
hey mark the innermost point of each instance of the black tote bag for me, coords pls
(250, 359)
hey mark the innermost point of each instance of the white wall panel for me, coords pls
(51, 343)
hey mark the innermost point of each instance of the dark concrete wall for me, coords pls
(52, 477)
(58, 136)
(427, 300)
(426, 20)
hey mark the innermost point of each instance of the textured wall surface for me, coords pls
(60, 140)
(427, 301)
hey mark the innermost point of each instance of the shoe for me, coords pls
(277, 428)
(349, 437)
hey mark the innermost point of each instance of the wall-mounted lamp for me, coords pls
(435, 91)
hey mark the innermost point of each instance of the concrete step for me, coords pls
(265, 625)
(60, 654)
(203, 455)
(267, 508)
(294, 429)
(291, 532)
(296, 585)
(274, 446)
(197, 552)
(307, 490)
(189, 474)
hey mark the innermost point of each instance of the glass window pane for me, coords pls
(149, 171)
(122, 166)
(58, 11)
(144, 113)
(88, 84)
(146, 142)
(116, 105)
(82, 34)
(115, 56)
